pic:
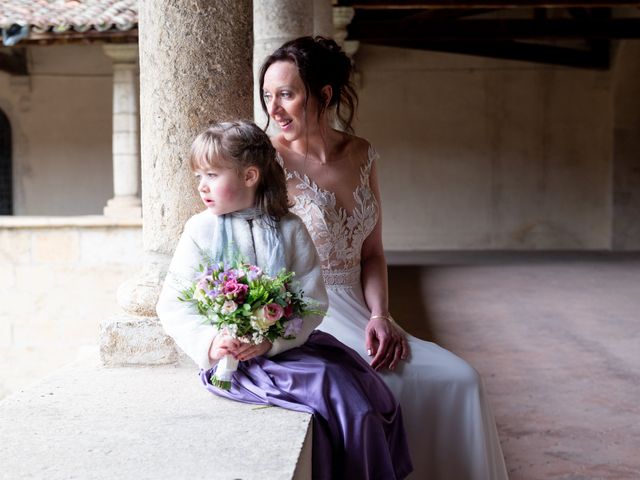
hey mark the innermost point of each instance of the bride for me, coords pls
(332, 178)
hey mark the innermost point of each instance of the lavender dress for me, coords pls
(357, 423)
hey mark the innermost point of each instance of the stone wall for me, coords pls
(58, 280)
(61, 120)
(626, 148)
(487, 154)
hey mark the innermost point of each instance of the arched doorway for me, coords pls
(6, 177)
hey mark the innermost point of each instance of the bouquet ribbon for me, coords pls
(227, 365)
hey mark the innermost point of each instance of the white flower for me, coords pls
(257, 338)
(229, 306)
(257, 324)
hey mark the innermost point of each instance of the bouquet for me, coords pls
(247, 304)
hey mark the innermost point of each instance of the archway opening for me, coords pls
(6, 176)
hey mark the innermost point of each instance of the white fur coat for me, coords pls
(191, 331)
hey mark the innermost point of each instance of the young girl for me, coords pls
(357, 424)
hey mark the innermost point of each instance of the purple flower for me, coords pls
(292, 327)
(254, 273)
(227, 275)
(214, 293)
(203, 284)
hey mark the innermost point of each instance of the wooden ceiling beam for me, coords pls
(455, 4)
(494, 29)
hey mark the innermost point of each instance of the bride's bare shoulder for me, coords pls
(356, 147)
(278, 142)
(283, 147)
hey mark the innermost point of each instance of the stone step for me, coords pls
(86, 421)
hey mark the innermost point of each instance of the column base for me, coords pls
(123, 207)
(133, 340)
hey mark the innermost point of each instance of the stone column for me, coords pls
(342, 17)
(195, 68)
(275, 22)
(126, 156)
(323, 18)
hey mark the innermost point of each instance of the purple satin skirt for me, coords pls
(357, 423)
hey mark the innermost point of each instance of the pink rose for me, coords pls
(273, 312)
(266, 316)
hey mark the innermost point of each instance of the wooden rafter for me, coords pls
(494, 29)
(581, 36)
(454, 4)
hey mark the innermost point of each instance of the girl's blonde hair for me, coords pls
(242, 144)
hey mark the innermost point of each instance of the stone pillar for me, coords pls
(342, 17)
(126, 156)
(195, 68)
(323, 18)
(275, 22)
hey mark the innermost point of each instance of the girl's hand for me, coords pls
(222, 345)
(247, 351)
(386, 342)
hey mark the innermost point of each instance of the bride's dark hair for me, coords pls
(320, 61)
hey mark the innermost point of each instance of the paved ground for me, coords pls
(557, 340)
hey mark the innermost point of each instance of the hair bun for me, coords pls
(336, 57)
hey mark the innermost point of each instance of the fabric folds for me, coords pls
(357, 424)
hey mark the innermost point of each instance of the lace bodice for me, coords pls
(338, 234)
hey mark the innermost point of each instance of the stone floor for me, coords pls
(557, 340)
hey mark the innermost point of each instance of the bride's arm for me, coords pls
(383, 339)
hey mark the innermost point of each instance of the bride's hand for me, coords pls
(247, 351)
(386, 342)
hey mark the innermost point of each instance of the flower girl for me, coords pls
(357, 423)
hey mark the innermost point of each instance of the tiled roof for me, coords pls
(63, 15)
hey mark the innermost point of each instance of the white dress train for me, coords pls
(450, 427)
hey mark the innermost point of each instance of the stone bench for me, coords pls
(86, 421)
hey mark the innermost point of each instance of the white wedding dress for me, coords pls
(451, 431)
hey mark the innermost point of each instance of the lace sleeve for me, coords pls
(280, 161)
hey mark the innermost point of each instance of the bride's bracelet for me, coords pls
(386, 317)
